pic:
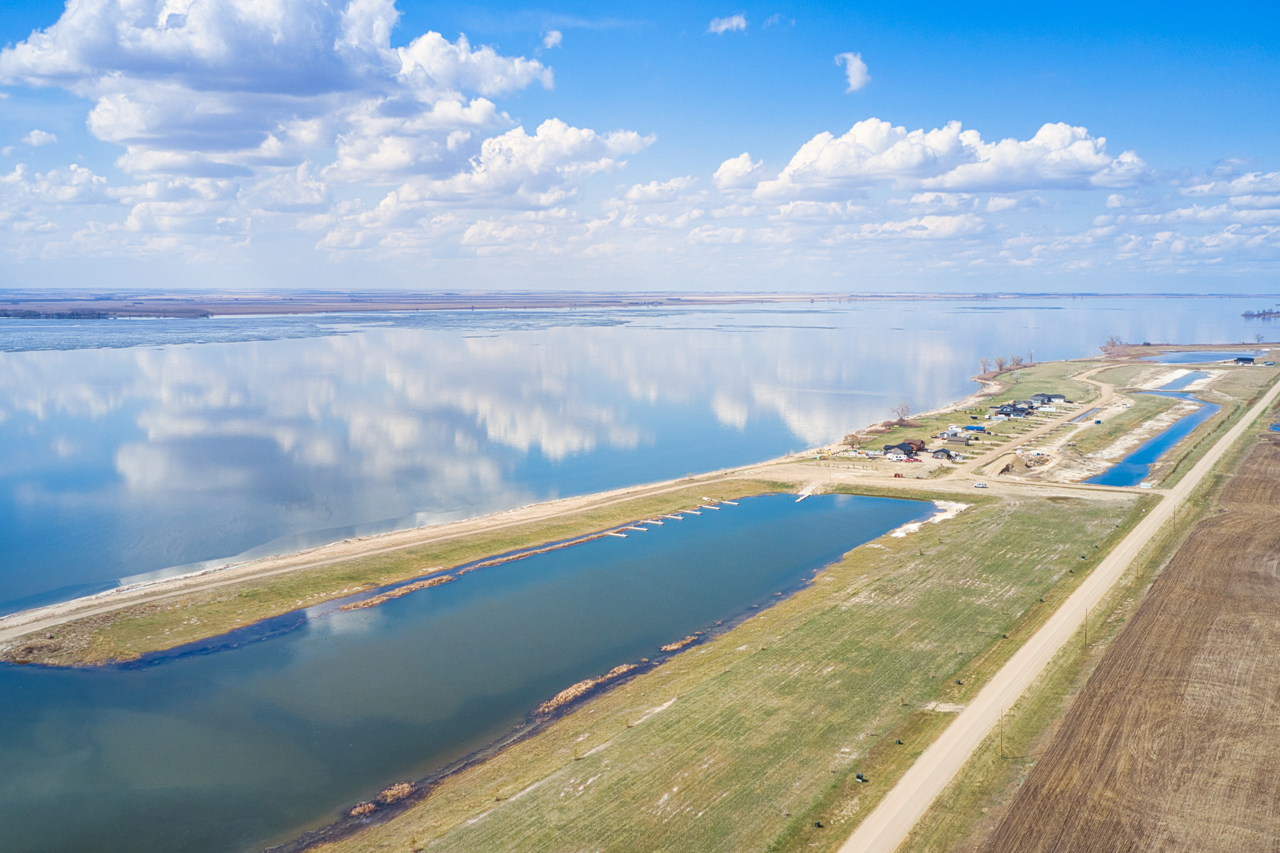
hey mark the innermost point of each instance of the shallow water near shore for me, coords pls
(134, 447)
(231, 750)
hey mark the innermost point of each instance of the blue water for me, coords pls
(226, 751)
(1195, 357)
(1183, 381)
(134, 447)
(1135, 467)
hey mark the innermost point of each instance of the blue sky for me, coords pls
(363, 143)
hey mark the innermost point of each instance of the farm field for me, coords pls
(753, 739)
(1174, 743)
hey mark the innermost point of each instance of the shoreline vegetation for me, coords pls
(944, 583)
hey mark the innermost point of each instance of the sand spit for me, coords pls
(944, 511)
(397, 592)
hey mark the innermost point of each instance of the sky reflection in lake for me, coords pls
(137, 446)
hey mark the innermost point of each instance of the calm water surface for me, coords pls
(1134, 468)
(132, 447)
(226, 751)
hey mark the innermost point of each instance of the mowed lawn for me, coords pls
(746, 742)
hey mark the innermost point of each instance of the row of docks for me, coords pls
(679, 515)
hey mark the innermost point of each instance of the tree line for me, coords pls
(1001, 362)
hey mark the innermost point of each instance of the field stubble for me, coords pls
(1175, 741)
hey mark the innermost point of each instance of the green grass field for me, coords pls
(745, 742)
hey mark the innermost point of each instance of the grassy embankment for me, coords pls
(1094, 437)
(132, 631)
(971, 806)
(750, 739)
(1049, 378)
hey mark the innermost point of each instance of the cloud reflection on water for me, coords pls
(129, 460)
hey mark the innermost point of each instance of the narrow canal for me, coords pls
(1136, 467)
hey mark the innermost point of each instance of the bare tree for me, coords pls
(1258, 337)
(1114, 341)
(985, 364)
(1031, 356)
(1000, 363)
(901, 410)
(1015, 360)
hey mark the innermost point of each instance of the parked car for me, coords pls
(979, 485)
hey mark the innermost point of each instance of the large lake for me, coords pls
(135, 446)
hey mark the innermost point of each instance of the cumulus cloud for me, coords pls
(876, 153)
(37, 137)
(552, 39)
(659, 191)
(738, 172)
(221, 88)
(855, 70)
(532, 170)
(730, 24)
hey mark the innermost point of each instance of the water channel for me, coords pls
(212, 753)
(1134, 468)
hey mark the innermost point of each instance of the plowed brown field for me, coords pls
(1174, 743)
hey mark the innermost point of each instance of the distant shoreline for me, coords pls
(120, 304)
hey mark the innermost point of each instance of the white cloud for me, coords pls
(534, 171)
(730, 24)
(855, 70)
(36, 138)
(1248, 184)
(553, 38)
(656, 191)
(76, 185)
(223, 88)
(875, 153)
(924, 228)
(738, 172)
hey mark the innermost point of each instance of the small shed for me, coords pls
(1244, 359)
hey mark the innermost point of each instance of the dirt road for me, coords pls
(888, 825)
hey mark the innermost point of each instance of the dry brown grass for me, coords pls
(1174, 744)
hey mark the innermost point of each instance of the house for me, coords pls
(963, 440)
(1011, 410)
(1047, 399)
(1244, 359)
(910, 447)
(943, 453)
